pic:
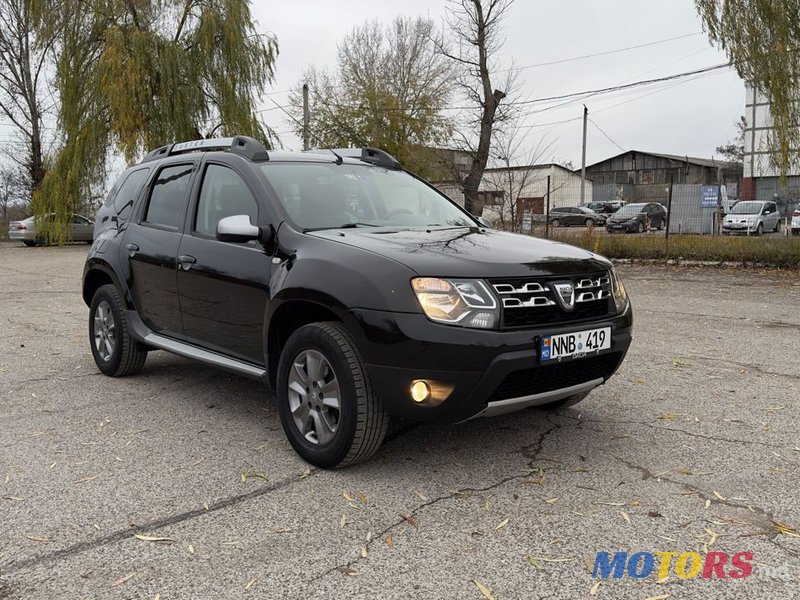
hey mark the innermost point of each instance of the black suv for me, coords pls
(352, 288)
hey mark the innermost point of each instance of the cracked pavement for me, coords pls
(693, 446)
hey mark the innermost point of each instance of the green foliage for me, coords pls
(762, 39)
(389, 91)
(136, 74)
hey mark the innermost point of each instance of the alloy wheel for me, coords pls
(314, 397)
(105, 331)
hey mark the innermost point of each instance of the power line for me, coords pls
(608, 137)
(604, 53)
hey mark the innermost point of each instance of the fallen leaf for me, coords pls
(390, 540)
(502, 524)
(361, 498)
(545, 559)
(626, 517)
(718, 495)
(611, 503)
(654, 514)
(551, 501)
(369, 536)
(149, 538)
(422, 496)
(363, 552)
(250, 583)
(85, 479)
(409, 520)
(347, 571)
(594, 588)
(668, 417)
(37, 538)
(191, 549)
(484, 590)
(661, 597)
(708, 503)
(305, 473)
(254, 475)
(343, 521)
(123, 579)
(205, 505)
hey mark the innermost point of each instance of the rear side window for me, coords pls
(129, 190)
(224, 194)
(167, 197)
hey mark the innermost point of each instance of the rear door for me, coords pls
(151, 243)
(82, 229)
(224, 286)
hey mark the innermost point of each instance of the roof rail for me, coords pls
(242, 145)
(373, 156)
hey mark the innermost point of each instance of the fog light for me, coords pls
(420, 391)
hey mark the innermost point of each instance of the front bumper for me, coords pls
(624, 226)
(490, 372)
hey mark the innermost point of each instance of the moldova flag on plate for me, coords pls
(546, 347)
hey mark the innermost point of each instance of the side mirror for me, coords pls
(237, 229)
(485, 222)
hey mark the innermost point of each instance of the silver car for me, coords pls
(81, 230)
(752, 217)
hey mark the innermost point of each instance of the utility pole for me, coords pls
(547, 212)
(306, 117)
(669, 217)
(583, 156)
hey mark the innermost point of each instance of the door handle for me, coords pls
(132, 247)
(185, 261)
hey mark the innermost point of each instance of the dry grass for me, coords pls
(769, 251)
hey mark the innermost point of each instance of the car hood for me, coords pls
(622, 218)
(470, 252)
(740, 218)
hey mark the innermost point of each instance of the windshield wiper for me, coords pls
(350, 225)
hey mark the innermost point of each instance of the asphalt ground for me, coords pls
(693, 446)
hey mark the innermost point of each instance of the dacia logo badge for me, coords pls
(565, 294)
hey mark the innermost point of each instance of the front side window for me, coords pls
(167, 197)
(329, 196)
(224, 194)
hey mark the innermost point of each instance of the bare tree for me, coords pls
(23, 60)
(8, 189)
(511, 175)
(475, 39)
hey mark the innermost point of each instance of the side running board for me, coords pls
(148, 337)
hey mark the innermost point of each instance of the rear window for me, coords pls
(168, 196)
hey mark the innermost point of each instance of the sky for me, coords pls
(690, 116)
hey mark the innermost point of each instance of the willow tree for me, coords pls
(390, 90)
(135, 74)
(762, 40)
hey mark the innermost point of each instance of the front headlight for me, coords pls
(618, 291)
(463, 302)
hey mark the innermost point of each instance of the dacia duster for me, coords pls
(352, 288)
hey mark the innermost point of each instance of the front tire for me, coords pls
(640, 228)
(116, 353)
(327, 406)
(589, 223)
(760, 229)
(556, 223)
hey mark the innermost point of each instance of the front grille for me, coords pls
(555, 376)
(533, 302)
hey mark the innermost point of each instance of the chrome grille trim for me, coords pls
(531, 287)
(530, 303)
(533, 294)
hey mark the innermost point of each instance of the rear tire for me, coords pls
(556, 223)
(564, 402)
(589, 222)
(323, 356)
(29, 243)
(640, 227)
(115, 351)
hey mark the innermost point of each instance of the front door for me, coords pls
(223, 286)
(152, 244)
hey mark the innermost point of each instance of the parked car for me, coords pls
(354, 289)
(606, 206)
(752, 217)
(796, 220)
(575, 215)
(638, 217)
(81, 230)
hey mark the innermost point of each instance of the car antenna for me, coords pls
(338, 158)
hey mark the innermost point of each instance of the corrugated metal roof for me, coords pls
(692, 160)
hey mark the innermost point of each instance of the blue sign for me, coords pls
(709, 195)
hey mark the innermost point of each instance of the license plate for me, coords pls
(575, 345)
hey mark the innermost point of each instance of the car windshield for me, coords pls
(331, 196)
(630, 209)
(747, 208)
